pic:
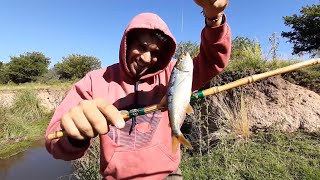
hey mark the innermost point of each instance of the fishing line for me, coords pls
(182, 17)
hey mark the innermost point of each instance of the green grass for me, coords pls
(31, 133)
(21, 124)
(270, 155)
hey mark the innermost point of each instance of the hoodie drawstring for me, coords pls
(134, 121)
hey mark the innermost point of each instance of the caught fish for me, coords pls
(178, 98)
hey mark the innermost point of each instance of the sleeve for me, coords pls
(215, 50)
(62, 148)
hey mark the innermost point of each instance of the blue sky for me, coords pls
(59, 28)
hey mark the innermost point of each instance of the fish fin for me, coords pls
(163, 103)
(175, 144)
(184, 141)
(189, 109)
(179, 139)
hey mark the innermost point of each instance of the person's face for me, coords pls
(143, 53)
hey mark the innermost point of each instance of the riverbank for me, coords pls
(22, 123)
(34, 132)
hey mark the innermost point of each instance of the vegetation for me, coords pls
(76, 66)
(243, 48)
(305, 34)
(33, 67)
(27, 67)
(52, 85)
(88, 166)
(187, 46)
(21, 124)
(271, 155)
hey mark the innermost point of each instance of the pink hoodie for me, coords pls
(146, 152)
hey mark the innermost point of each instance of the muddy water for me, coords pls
(36, 164)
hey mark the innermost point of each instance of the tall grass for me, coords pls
(241, 124)
(224, 116)
(27, 106)
(25, 120)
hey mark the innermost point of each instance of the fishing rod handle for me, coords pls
(61, 133)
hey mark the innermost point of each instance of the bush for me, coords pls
(27, 67)
(76, 66)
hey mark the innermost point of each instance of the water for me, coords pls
(34, 164)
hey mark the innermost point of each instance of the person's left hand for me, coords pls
(212, 8)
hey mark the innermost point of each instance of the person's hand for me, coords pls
(212, 8)
(90, 118)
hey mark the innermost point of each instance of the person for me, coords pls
(139, 147)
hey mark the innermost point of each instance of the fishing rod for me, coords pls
(211, 91)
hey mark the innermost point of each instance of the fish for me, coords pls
(178, 98)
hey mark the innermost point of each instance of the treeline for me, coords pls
(34, 67)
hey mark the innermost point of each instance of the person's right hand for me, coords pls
(90, 118)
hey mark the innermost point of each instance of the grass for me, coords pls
(271, 155)
(241, 125)
(21, 124)
(88, 166)
(266, 155)
(35, 131)
(36, 86)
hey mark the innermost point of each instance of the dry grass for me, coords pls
(35, 86)
(241, 123)
(232, 114)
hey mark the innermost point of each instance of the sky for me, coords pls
(58, 28)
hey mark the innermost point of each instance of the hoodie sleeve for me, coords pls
(215, 50)
(62, 148)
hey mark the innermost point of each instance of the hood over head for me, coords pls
(152, 22)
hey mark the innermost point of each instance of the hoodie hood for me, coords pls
(152, 22)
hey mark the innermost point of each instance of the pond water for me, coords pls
(35, 163)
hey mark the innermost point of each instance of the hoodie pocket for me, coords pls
(154, 162)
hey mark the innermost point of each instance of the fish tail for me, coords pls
(179, 139)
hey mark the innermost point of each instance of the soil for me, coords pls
(277, 102)
(50, 99)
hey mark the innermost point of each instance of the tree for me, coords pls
(27, 67)
(76, 66)
(243, 47)
(3, 73)
(305, 34)
(187, 46)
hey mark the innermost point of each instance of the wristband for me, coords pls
(213, 20)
